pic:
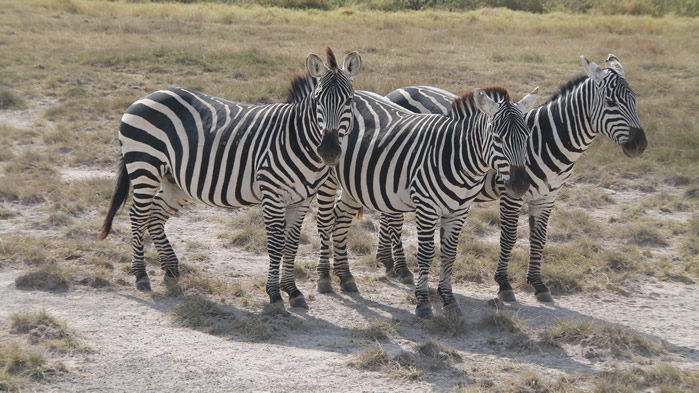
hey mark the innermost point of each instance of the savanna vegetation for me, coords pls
(69, 69)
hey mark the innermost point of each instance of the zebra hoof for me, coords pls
(349, 285)
(276, 299)
(324, 285)
(424, 311)
(452, 310)
(507, 296)
(143, 285)
(299, 302)
(407, 278)
(544, 297)
(170, 280)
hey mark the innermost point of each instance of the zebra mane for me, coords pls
(302, 86)
(568, 87)
(465, 106)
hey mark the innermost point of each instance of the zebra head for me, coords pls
(332, 100)
(509, 138)
(613, 111)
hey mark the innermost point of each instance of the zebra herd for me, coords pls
(418, 149)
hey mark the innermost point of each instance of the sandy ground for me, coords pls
(138, 346)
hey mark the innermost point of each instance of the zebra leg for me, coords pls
(539, 213)
(425, 222)
(449, 239)
(325, 219)
(274, 215)
(401, 264)
(169, 200)
(383, 249)
(344, 212)
(145, 188)
(294, 218)
(509, 215)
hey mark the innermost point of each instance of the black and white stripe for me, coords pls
(601, 102)
(394, 161)
(178, 145)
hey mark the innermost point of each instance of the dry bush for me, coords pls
(46, 330)
(606, 337)
(378, 330)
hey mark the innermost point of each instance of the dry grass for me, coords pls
(19, 367)
(377, 359)
(249, 234)
(378, 330)
(48, 331)
(200, 313)
(601, 338)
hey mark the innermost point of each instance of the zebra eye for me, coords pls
(610, 103)
(348, 101)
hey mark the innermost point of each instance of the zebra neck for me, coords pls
(472, 145)
(562, 128)
(304, 128)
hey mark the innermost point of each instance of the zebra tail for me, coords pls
(121, 191)
(360, 213)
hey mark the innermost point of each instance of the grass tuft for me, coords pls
(378, 330)
(605, 336)
(10, 100)
(46, 330)
(200, 313)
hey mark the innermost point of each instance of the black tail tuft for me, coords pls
(121, 191)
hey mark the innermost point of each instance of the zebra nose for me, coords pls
(329, 148)
(636, 144)
(519, 181)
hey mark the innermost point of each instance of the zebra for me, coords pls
(598, 102)
(179, 145)
(396, 161)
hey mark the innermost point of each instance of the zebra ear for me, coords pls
(315, 66)
(613, 63)
(484, 103)
(528, 101)
(352, 64)
(592, 70)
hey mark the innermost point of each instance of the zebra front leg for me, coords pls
(539, 213)
(425, 222)
(325, 220)
(294, 219)
(449, 240)
(344, 212)
(169, 200)
(274, 215)
(509, 216)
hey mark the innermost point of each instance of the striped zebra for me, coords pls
(600, 102)
(178, 145)
(396, 161)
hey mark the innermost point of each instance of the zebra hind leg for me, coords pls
(538, 222)
(144, 192)
(425, 222)
(383, 250)
(294, 219)
(169, 200)
(449, 239)
(344, 212)
(401, 267)
(509, 215)
(325, 220)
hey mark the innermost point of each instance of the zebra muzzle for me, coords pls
(636, 144)
(329, 148)
(519, 181)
